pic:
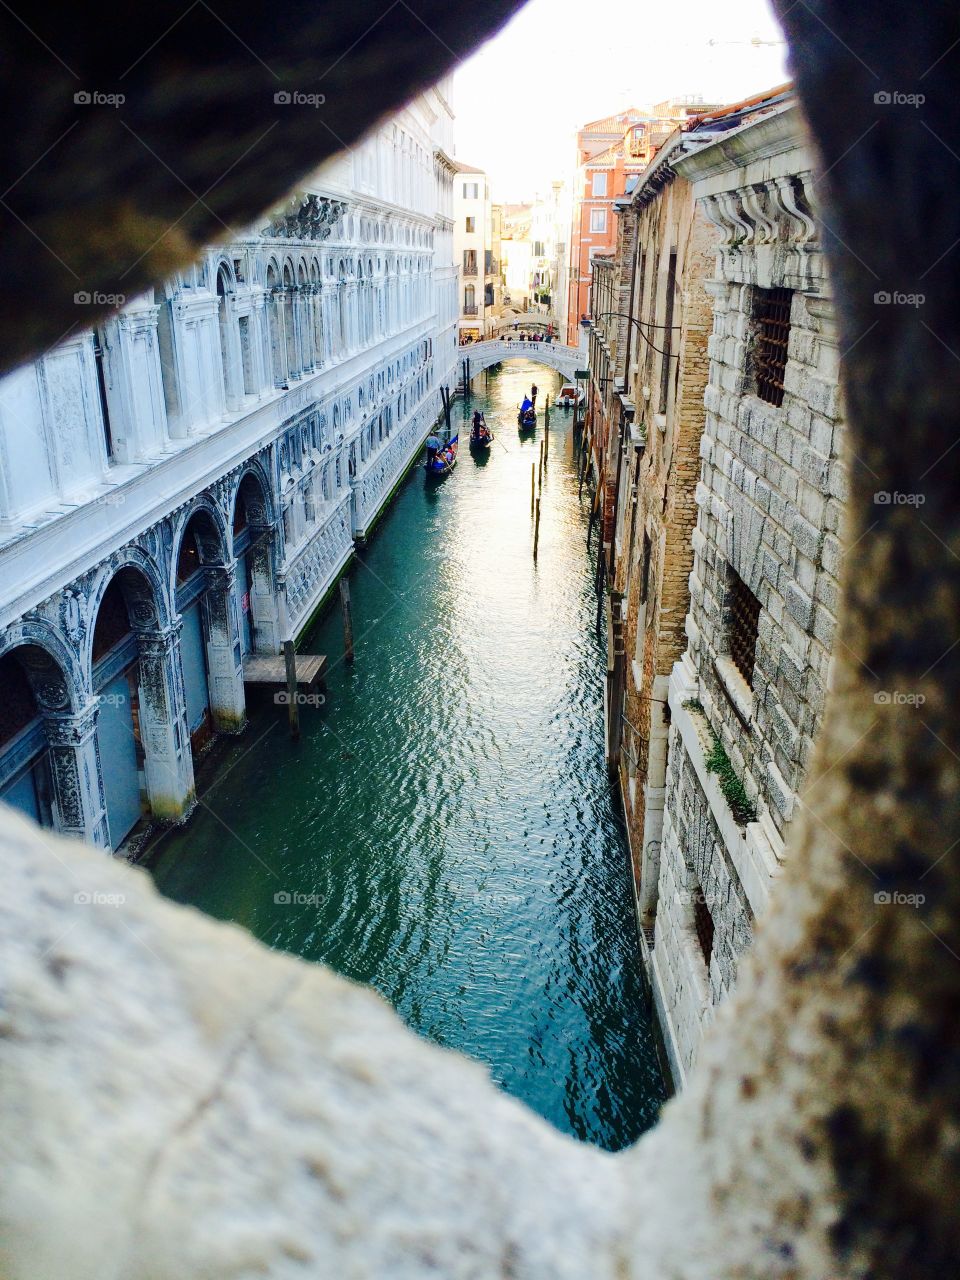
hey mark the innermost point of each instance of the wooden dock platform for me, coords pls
(265, 668)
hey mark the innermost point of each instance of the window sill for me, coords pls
(736, 689)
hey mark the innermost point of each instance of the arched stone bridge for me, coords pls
(477, 356)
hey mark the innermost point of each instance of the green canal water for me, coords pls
(444, 830)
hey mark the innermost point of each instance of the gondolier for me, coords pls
(433, 447)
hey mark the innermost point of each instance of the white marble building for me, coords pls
(182, 485)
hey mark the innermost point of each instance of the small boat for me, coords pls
(569, 396)
(481, 437)
(527, 416)
(444, 460)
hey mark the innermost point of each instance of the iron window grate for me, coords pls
(744, 615)
(771, 316)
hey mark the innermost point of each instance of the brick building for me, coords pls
(652, 466)
(611, 154)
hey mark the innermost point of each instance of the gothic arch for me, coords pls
(48, 660)
(152, 599)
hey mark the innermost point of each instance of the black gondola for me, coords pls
(481, 437)
(527, 417)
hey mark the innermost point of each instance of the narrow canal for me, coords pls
(444, 830)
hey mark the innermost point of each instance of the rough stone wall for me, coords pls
(769, 505)
(688, 985)
(770, 502)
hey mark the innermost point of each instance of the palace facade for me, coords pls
(181, 486)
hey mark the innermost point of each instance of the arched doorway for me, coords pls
(25, 778)
(253, 536)
(49, 766)
(210, 647)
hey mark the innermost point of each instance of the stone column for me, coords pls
(168, 760)
(143, 431)
(260, 344)
(231, 353)
(75, 769)
(224, 664)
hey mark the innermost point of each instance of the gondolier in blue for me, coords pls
(433, 445)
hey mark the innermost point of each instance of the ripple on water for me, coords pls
(448, 808)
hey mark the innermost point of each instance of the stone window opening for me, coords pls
(742, 609)
(703, 924)
(665, 358)
(771, 318)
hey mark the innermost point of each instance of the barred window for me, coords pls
(743, 613)
(771, 317)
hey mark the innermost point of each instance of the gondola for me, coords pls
(527, 417)
(481, 437)
(444, 460)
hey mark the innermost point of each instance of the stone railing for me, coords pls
(482, 355)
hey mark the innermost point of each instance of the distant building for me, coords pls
(477, 239)
(611, 153)
(517, 249)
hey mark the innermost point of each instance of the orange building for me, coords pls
(611, 154)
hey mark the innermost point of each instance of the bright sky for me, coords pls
(560, 63)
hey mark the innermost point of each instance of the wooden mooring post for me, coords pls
(546, 429)
(293, 694)
(533, 485)
(347, 620)
(536, 530)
